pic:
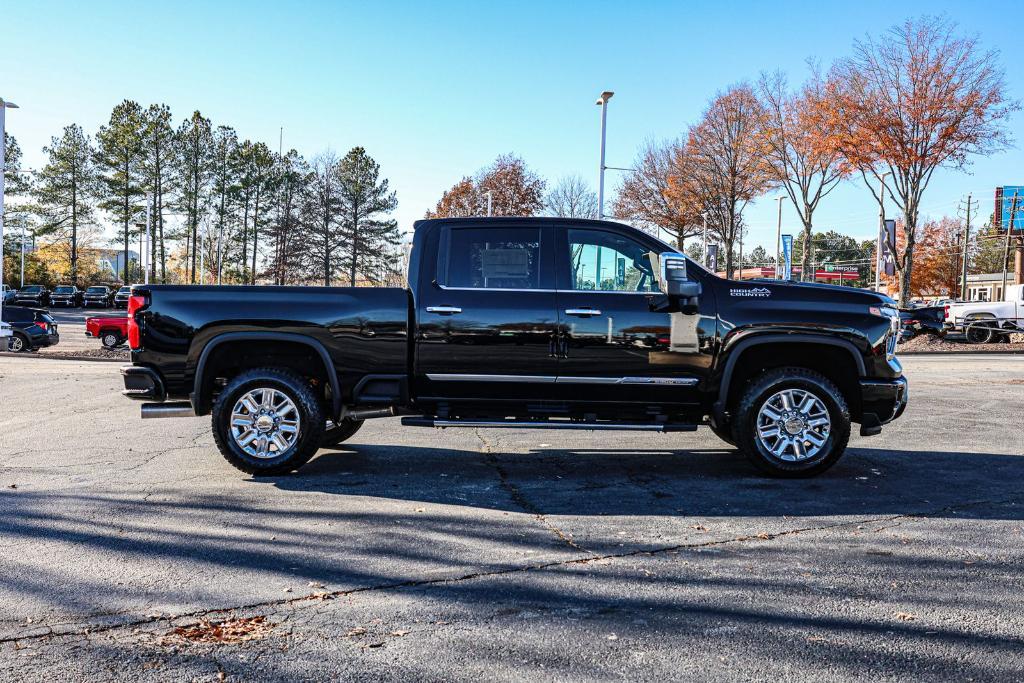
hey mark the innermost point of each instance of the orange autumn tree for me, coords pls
(918, 99)
(647, 196)
(805, 168)
(941, 258)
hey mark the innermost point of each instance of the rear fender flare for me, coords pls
(201, 403)
(743, 345)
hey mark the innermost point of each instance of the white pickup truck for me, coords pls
(982, 321)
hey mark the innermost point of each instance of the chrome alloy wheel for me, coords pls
(265, 423)
(16, 344)
(793, 425)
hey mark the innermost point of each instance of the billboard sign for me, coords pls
(1004, 204)
(888, 240)
(787, 257)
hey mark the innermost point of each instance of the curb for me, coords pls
(89, 359)
(1012, 352)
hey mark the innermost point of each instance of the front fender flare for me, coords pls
(734, 354)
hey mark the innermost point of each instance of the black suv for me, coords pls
(121, 298)
(66, 295)
(99, 295)
(32, 295)
(33, 328)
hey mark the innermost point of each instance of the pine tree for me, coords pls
(321, 216)
(224, 182)
(372, 239)
(119, 158)
(65, 189)
(158, 167)
(194, 161)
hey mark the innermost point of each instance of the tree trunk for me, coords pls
(355, 245)
(805, 257)
(906, 273)
(255, 234)
(74, 229)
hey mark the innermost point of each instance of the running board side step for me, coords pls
(553, 424)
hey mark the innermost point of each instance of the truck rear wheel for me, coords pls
(340, 432)
(792, 422)
(268, 421)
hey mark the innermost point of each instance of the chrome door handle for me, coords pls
(444, 310)
(582, 311)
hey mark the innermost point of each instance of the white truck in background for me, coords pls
(986, 321)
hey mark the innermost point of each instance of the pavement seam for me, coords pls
(318, 598)
(521, 500)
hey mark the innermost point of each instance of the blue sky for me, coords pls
(435, 90)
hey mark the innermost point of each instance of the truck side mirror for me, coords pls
(683, 293)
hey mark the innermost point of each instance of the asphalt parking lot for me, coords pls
(410, 554)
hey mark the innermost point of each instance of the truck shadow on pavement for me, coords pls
(665, 482)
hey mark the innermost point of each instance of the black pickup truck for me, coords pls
(523, 323)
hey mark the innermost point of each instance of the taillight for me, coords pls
(41, 324)
(945, 313)
(134, 304)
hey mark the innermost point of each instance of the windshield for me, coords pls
(32, 289)
(96, 290)
(124, 290)
(64, 290)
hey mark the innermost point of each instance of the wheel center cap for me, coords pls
(794, 425)
(264, 423)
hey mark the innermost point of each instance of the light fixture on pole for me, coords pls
(603, 102)
(881, 230)
(5, 330)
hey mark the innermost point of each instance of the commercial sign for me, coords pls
(712, 263)
(888, 239)
(787, 257)
(1004, 205)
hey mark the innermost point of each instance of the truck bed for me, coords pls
(364, 330)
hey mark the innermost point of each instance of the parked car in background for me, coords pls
(988, 321)
(99, 296)
(925, 320)
(32, 328)
(66, 295)
(121, 298)
(110, 330)
(7, 293)
(32, 295)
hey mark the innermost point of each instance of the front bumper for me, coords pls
(882, 401)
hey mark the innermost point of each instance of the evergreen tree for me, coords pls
(224, 182)
(119, 158)
(194, 161)
(365, 200)
(158, 167)
(321, 216)
(65, 189)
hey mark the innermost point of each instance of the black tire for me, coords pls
(19, 343)
(311, 421)
(338, 433)
(724, 433)
(110, 340)
(744, 422)
(979, 331)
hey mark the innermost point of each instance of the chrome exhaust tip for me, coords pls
(169, 409)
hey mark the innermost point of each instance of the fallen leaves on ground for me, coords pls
(906, 616)
(227, 632)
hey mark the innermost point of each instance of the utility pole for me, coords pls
(778, 241)
(490, 198)
(881, 230)
(4, 330)
(967, 244)
(603, 102)
(1009, 231)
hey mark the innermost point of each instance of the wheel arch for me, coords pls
(761, 346)
(202, 394)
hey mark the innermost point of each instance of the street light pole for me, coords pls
(778, 241)
(4, 330)
(603, 102)
(490, 197)
(704, 248)
(881, 230)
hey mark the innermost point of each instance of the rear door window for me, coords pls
(495, 258)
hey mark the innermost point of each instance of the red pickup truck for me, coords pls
(110, 330)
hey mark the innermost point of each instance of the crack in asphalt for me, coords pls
(521, 500)
(320, 597)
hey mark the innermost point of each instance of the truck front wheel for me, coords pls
(268, 421)
(792, 422)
